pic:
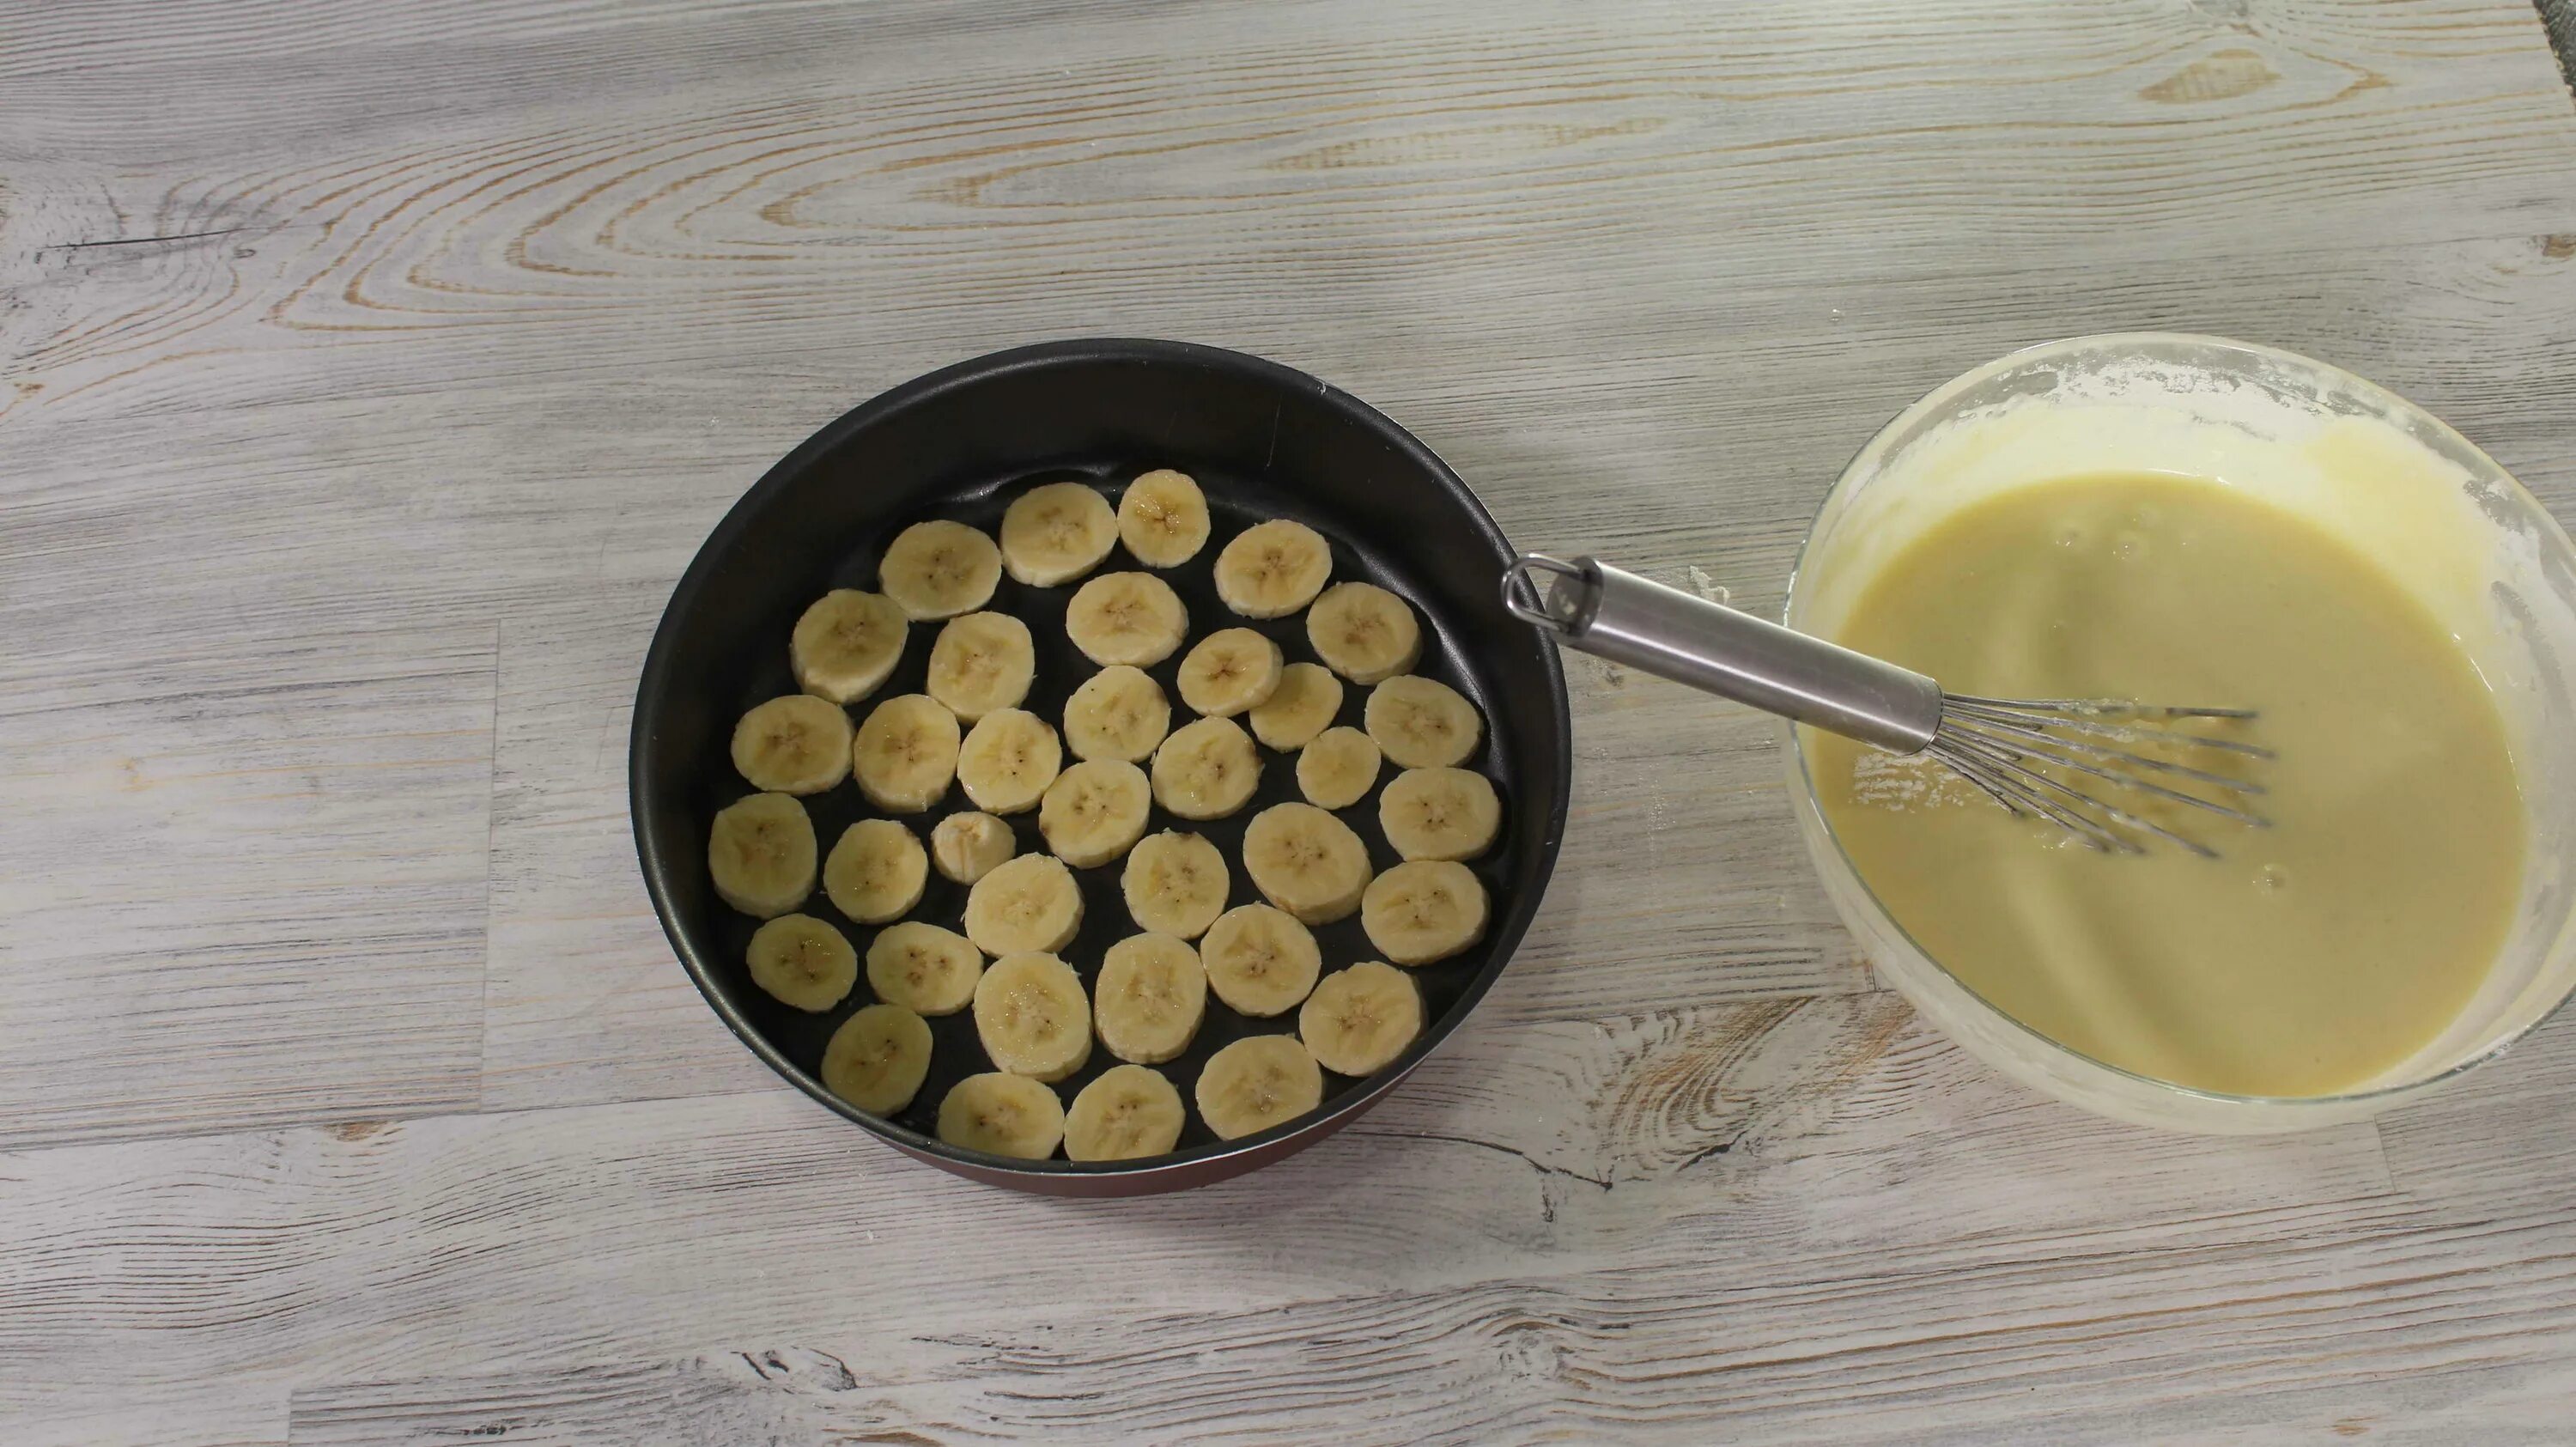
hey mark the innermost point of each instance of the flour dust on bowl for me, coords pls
(2335, 876)
(1041, 448)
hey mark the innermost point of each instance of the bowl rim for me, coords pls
(1837, 864)
(1198, 1164)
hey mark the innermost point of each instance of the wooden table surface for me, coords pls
(369, 372)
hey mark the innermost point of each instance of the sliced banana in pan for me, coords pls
(1229, 671)
(1272, 569)
(1207, 769)
(1259, 960)
(876, 871)
(1127, 1113)
(1175, 884)
(1306, 861)
(1008, 759)
(1301, 707)
(967, 845)
(1367, 634)
(1056, 533)
(1026, 903)
(847, 643)
(1095, 811)
(1256, 1083)
(1424, 910)
(982, 662)
(802, 961)
(1032, 1016)
(1360, 1019)
(905, 753)
(761, 853)
(878, 1059)
(1338, 768)
(939, 570)
(1130, 618)
(798, 744)
(1117, 713)
(1163, 518)
(1149, 998)
(924, 968)
(1422, 723)
(1002, 1114)
(1440, 813)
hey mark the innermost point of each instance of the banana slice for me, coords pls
(1095, 811)
(1440, 813)
(761, 852)
(967, 845)
(1163, 518)
(1366, 633)
(1424, 910)
(1008, 759)
(1175, 884)
(1002, 1115)
(939, 570)
(1032, 1016)
(1338, 769)
(1130, 618)
(1117, 713)
(924, 968)
(1056, 533)
(798, 744)
(1127, 1113)
(1306, 862)
(1259, 960)
(1273, 569)
(1360, 1019)
(905, 753)
(1422, 723)
(1149, 998)
(1229, 671)
(1256, 1083)
(847, 643)
(802, 961)
(878, 1058)
(1024, 904)
(876, 871)
(981, 663)
(1207, 769)
(1298, 709)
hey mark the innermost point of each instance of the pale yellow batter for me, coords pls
(2314, 954)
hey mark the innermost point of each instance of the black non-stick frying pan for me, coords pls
(1263, 441)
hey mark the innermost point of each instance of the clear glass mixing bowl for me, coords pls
(2248, 415)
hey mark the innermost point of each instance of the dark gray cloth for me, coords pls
(2559, 17)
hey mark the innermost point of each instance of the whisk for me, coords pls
(2085, 765)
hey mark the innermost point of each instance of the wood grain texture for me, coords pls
(243, 886)
(369, 373)
(1773, 1143)
(2224, 1344)
(805, 1394)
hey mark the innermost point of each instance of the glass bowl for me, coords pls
(2465, 537)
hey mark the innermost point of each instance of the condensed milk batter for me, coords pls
(2314, 954)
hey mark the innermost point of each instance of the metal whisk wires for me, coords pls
(2017, 749)
(2114, 774)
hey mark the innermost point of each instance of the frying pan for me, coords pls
(1263, 441)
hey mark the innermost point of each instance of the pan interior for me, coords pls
(1260, 448)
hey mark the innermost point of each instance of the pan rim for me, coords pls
(654, 683)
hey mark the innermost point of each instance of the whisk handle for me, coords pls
(1588, 605)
